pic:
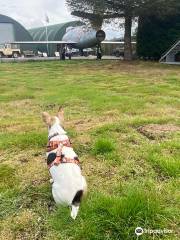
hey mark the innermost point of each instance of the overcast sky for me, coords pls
(31, 13)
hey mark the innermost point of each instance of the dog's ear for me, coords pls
(46, 118)
(61, 114)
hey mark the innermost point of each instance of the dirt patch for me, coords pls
(153, 131)
(91, 123)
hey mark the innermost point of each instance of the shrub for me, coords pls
(103, 146)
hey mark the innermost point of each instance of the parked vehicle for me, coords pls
(75, 52)
(28, 53)
(118, 52)
(89, 51)
(40, 54)
(9, 50)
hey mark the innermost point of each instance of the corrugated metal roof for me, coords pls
(20, 33)
(54, 32)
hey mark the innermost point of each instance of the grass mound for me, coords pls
(103, 146)
(153, 131)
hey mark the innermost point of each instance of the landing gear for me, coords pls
(62, 51)
(81, 52)
(63, 54)
(99, 52)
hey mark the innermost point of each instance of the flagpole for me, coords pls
(47, 21)
(47, 40)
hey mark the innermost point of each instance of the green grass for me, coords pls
(165, 158)
(8, 177)
(23, 140)
(133, 179)
(103, 146)
(110, 217)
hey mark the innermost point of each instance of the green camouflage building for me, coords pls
(53, 33)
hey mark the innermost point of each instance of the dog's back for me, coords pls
(67, 181)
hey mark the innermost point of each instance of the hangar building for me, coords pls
(11, 30)
(53, 33)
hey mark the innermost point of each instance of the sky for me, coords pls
(31, 13)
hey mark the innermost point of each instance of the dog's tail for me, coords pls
(75, 204)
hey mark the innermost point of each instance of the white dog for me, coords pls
(68, 184)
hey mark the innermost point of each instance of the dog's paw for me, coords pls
(51, 181)
(74, 211)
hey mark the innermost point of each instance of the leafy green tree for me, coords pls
(127, 9)
(156, 35)
(93, 11)
(135, 8)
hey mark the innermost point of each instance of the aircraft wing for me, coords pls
(43, 42)
(114, 42)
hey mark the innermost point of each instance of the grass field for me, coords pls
(133, 175)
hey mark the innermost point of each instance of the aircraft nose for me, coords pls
(100, 35)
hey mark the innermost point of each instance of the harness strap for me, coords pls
(52, 145)
(59, 160)
(54, 135)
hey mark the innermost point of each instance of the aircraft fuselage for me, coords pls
(83, 37)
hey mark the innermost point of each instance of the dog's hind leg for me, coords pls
(75, 204)
(74, 211)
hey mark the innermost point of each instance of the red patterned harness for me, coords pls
(60, 158)
(52, 145)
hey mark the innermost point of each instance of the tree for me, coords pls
(135, 8)
(127, 9)
(156, 35)
(94, 11)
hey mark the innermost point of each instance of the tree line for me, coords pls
(98, 11)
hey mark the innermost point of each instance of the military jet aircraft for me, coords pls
(80, 37)
(75, 37)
